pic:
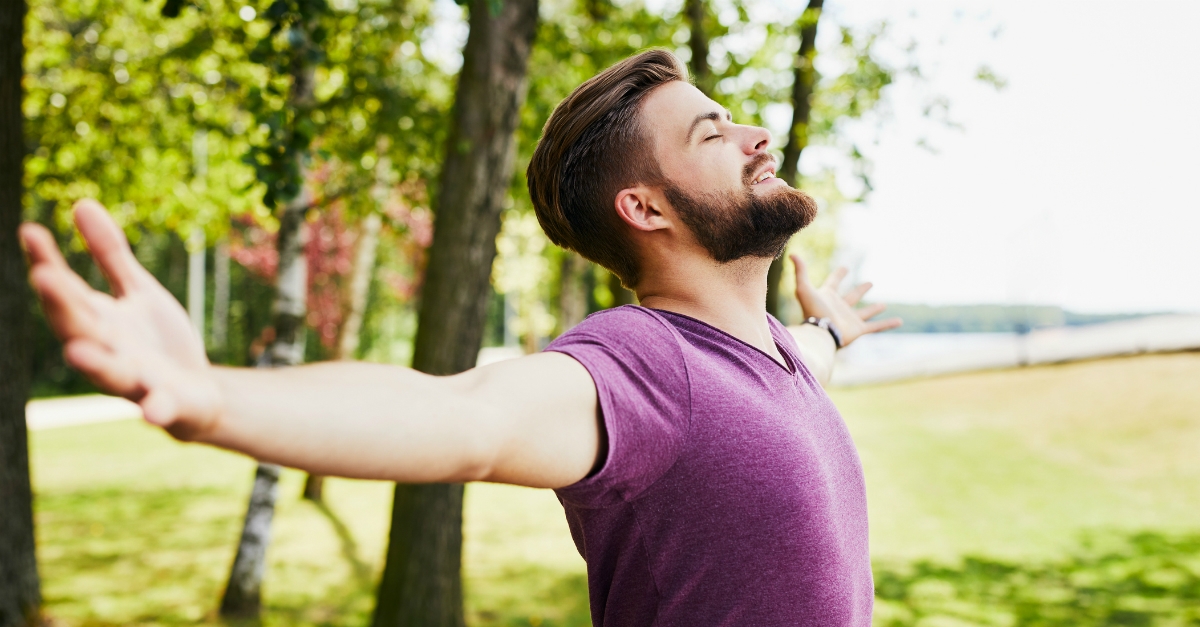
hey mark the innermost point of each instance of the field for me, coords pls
(1063, 495)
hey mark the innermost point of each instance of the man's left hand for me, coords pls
(827, 301)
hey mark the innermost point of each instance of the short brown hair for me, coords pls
(592, 147)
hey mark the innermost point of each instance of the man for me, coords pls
(707, 478)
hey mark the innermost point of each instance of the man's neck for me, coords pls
(731, 297)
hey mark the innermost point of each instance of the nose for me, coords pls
(756, 140)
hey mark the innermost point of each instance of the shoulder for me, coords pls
(637, 362)
(630, 352)
(625, 326)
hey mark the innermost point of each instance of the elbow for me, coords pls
(480, 441)
(478, 456)
(481, 429)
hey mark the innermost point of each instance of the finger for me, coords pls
(801, 271)
(853, 296)
(806, 294)
(108, 245)
(835, 278)
(40, 245)
(882, 325)
(59, 287)
(111, 373)
(870, 311)
(69, 303)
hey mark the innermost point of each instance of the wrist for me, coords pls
(827, 325)
(208, 409)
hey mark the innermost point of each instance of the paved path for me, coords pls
(77, 410)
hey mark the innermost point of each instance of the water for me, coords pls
(881, 349)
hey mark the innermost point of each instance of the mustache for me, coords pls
(755, 165)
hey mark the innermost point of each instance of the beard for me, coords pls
(741, 223)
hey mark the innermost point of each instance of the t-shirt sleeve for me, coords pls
(641, 380)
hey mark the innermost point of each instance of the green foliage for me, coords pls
(117, 98)
(290, 49)
(383, 105)
(1142, 579)
(185, 122)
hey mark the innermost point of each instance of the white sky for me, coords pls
(1072, 186)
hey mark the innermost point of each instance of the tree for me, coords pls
(422, 581)
(802, 91)
(697, 11)
(282, 167)
(20, 594)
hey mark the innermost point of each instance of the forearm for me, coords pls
(354, 419)
(817, 349)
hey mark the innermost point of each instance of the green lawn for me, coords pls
(1074, 490)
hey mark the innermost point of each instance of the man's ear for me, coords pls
(639, 208)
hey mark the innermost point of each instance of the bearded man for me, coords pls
(706, 477)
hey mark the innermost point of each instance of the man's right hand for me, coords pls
(137, 343)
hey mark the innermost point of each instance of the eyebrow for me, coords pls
(711, 115)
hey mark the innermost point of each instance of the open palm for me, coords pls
(137, 343)
(826, 301)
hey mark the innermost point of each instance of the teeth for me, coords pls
(763, 177)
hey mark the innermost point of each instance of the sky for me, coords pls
(1074, 185)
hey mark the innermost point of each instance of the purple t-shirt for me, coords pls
(731, 493)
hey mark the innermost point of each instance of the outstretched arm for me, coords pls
(530, 421)
(816, 344)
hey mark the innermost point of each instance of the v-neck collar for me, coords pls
(789, 366)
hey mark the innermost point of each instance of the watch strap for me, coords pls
(827, 324)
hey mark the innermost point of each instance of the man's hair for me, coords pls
(592, 147)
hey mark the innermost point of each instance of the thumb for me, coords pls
(159, 408)
(187, 406)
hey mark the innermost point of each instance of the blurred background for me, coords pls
(1012, 176)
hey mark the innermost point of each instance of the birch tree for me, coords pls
(281, 165)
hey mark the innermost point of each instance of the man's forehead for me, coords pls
(672, 108)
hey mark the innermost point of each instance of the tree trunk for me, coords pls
(243, 594)
(698, 44)
(572, 290)
(620, 295)
(422, 582)
(196, 281)
(196, 243)
(20, 594)
(802, 90)
(220, 306)
(354, 306)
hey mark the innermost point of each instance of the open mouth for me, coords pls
(766, 175)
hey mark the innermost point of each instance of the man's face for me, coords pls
(720, 178)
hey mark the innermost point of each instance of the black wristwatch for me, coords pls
(827, 324)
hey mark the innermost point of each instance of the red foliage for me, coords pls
(416, 225)
(254, 248)
(329, 252)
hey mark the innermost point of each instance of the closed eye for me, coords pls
(712, 137)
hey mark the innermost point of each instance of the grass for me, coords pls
(1063, 495)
